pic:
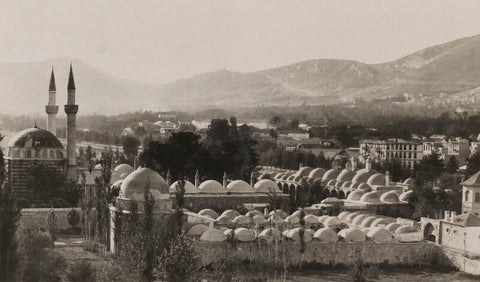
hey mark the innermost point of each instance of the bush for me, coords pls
(73, 217)
(81, 271)
(180, 262)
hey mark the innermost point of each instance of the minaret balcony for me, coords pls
(51, 109)
(71, 109)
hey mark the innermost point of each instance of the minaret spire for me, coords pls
(51, 108)
(71, 110)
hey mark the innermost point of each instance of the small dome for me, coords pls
(134, 184)
(367, 222)
(343, 215)
(371, 171)
(224, 220)
(278, 176)
(355, 195)
(377, 179)
(270, 234)
(322, 218)
(371, 197)
(244, 234)
(404, 229)
(297, 178)
(392, 226)
(34, 138)
(231, 213)
(357, 221)
(197, 230)
(292, 220)
(390, 197)
(332, 200)
(346, 184)
(326, 234)
(352, 234)
(351, 217)
(208, 212)
(311, 219)
(123, 175)
(405, 196)
(331, 174)
(291, 177)
(259, 219)
(354, 185)
(345, 175)
(286, 175)
(211, 187)
(304, 171)
(409, 181)
(253, 213)
(331, 182)
(339, 184)
(123, 168)
(332, 221)
(281, 213)
(266, 186)
(275, 219)
(189, 187)
(296, 213)
(239, 186)
(380, 222)
(317, 173)
(99, 166)
(364, 187)
(380, 234)
(241, 219)
(361, 177)
(213, 235)
(294, 234)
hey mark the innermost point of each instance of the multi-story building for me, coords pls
(457, 147)
(408, 152)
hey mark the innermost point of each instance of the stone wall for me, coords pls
(37, 218)
(393, 253)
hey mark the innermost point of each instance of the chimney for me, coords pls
(300, 165)
(447, 215)
(387, 178)
(252, 179)
(197, 179)
(368, 165)
(452, 215)
(353, 161)
(225, 179)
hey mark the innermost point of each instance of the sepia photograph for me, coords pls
(227, 140)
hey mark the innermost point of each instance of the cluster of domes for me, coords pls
(278, 225)
(234, 187)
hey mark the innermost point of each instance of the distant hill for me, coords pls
(449, 68)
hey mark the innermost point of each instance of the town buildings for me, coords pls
(408, 152)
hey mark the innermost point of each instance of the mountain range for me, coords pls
(451, 68)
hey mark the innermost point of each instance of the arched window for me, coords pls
(477, 197)
(466, 195)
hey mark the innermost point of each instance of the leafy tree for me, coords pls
(179, 262)
(73, 217)
(473, 164)
(9, 217)
(81, 271)
(428, 169)
(130, 146)
(452, 165)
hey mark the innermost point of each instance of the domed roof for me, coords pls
(382, 221)
(292, 219)
(352, 234)
(213, 235)
(286, 175)
(211, 187)
(351, 217)
(372, 197)
(408, 181)
(390, 197)
(380, 234)
(303, 171)
(270, 234)
(253, 213)
(278, 212)
(404, 229)
(298, 178)
(371, 171)
(311, 219)
(364, 187)
(326, 234)
(278, 175)
(354, 185)
(197, 230)
(405, 196)
(357, 221)
(34, 138)
(294, 234)
(331, 174)
(239, 186)
(259, 219)
(223, 219)
(367, 222)
(377, 179)
(244, 234)
(266, 186)
(346, 184)
(361, 177)
(339, 184)
(343, 215)
(123, 168)
(331, 182)
(99, 166)
(317, 173)
(345, 175)
(291, 177)
(134, 184)
(355, 195)
(208, 212)
(231, 213)
(189, 187)
(242, 219)
(332, 221)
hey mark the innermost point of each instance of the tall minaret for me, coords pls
(71, 110)
(51, 108)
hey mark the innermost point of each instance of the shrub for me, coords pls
(73, 217)
(81, 271)
(180, 262)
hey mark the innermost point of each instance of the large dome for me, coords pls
(331, 174)
(317, 173)
(239, 186)
(211, 187)
(266, 186)
(133, 186)
(34, 138)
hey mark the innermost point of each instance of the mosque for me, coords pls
(39, 147)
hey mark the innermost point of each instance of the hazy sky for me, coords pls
(161, 41)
